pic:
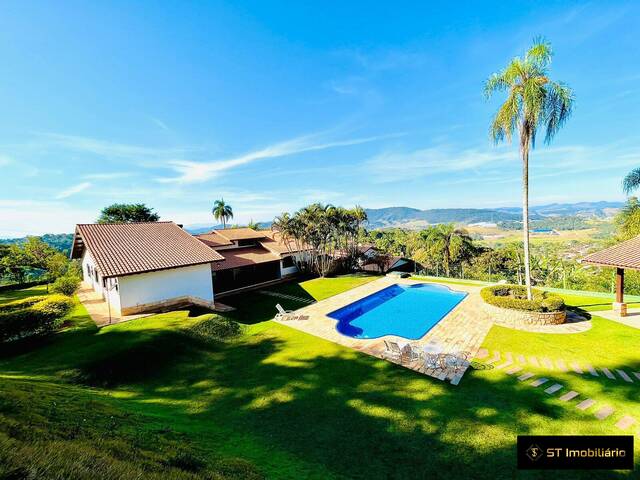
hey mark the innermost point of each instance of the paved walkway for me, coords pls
(462, 330)
(98, 308)
(632, 319)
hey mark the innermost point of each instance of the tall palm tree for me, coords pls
(222, 212)
(533, 101)
(631, 181)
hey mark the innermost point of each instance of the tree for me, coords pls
(222, 212)
(127, 213)
(628, 219)
(449, 242)
(253, 225)
(632, 181)
(534, 101)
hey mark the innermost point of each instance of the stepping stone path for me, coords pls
(569, 396)
(513, 370)
(538, 382)
(592, 370)
(625, 422)
(504, 365)
(624, 376)
(607, 373)
(553, 389)
(482, 353)
(534, 361)
(521, 359)
(604, 412)
(637, 375)
(509, 357)
(525, 376)
(585, 404)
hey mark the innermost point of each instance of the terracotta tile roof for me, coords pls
(128, 248)
(239, 233)
(241, 257)
(622, 255)
(213, 240)
(274, 243)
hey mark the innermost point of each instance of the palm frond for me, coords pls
(557, 108)
(540, 53)
(505, 121)
(632, 181)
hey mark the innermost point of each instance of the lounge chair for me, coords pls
(288, 315)
(409, 354)
(392, 350)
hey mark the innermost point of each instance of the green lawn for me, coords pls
(287, 404)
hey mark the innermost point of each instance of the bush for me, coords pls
(34, 318)
(66, 285)
(216, 328)
(20, 304)
(514, 297)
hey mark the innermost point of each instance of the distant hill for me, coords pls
(414, 218)
(59, 241)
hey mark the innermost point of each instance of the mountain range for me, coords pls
(407, 217)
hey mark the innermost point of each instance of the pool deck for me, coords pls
(462, 330)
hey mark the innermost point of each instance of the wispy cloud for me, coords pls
(73, 190)
(4, 160)
(107, 176)
(159, 123)
(192, 172)
(110, 149)
(393, 166)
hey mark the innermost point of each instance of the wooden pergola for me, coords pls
(623, 256)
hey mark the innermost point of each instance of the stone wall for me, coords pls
(522, 319)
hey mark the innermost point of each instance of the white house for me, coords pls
(147, 266)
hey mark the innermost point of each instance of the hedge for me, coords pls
(67, 285)
(34, 316)
(514, 297)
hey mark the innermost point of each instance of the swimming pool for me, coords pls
(408, 311)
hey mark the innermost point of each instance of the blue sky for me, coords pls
(273, 105)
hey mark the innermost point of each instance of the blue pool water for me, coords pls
(408, 311)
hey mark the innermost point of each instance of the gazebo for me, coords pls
(623, 256)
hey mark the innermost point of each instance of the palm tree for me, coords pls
(631, 181)
(222, 212)
(449, 242)
(534, 101)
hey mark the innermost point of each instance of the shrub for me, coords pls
(34, 318)
(66, 285)
(514, 297)
(216, 328)
(20, 304)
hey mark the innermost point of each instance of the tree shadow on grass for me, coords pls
(301, 409)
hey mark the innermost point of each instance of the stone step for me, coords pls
(547, 363)
(576, 368)
(624, 376)
(534, 361)
(604, 412)
(504, 365)
(538, 382)
(512, 370)
(553, 389)
(607, 373)
(583, 405)
(482, 353)
(637, 375)
(592, 370)
(562, 366)
(495, 358)
(525, 376)
(521, 359)
(625, 422)
(569, 396)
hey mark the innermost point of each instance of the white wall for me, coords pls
(288, 270)
(110, 293)
(151, 287)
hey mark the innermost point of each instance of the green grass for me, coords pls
(290, 404)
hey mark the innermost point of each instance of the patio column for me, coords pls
(619, 305)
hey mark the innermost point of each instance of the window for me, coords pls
(288, 262)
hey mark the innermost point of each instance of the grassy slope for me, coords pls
(302, 407)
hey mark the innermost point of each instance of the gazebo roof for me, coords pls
(622, 255)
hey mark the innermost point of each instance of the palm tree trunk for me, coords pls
(524, 150)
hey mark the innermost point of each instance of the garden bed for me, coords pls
(508, 305)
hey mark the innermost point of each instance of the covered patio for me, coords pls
(623, 256)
